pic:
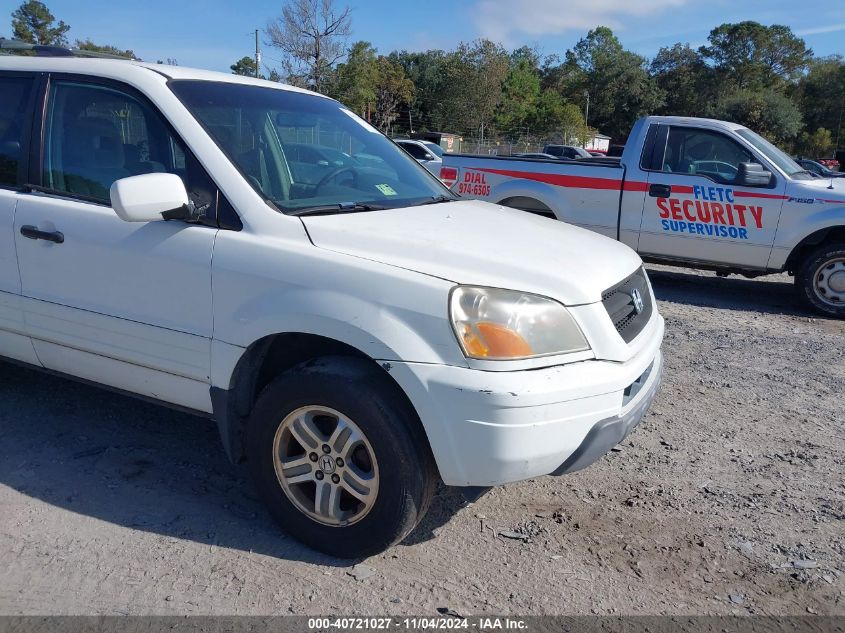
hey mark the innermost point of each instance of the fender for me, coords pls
(807, 230)
(336, 315)
(549, 195)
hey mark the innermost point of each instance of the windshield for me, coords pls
(301, 151)
(770, 151)
(434, 147)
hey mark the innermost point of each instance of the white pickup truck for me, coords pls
(686, 191)
(259, 254)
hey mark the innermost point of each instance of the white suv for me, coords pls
(355, 332)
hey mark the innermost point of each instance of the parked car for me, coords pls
(830, 163)
(690, 192)
(818, 169)
(423, 153)
(569, 152)
(356, 339)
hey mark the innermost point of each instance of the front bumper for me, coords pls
(488, 428)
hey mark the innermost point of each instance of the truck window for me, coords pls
(703, 153)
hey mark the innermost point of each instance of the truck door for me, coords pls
(694, 211)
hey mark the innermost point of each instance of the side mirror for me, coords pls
(429, 157)
(752, 175)
(150, 197)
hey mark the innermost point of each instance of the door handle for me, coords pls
(660, 191)
(33, 233)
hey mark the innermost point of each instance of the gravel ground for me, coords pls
(728, 498)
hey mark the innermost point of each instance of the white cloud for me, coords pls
(831, 28)
(501, 20)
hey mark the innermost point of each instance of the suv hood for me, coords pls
(477, 243)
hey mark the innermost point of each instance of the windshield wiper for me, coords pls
(341, 207)
(434, 200)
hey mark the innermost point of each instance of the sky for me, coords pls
(213, 34)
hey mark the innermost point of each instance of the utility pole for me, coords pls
(587, 109)
(410, 123)
(257, 55)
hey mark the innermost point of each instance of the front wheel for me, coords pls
(820, 280)
(339, 458)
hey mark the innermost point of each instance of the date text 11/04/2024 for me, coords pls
(417, 623)
(712, 211)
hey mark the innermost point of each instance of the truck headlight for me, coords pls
(495, 324)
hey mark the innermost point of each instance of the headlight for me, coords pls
(496, 324)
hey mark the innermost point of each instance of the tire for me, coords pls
(392, 462)
(820, 280)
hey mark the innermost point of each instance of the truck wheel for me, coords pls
(821, 279)
(339, 458)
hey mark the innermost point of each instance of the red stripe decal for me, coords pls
(755, 194)
(581, 182)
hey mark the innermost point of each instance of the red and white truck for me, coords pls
(686, 191)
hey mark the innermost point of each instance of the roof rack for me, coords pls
(43, 50)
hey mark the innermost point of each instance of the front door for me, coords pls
(693, 211)
(124, 304)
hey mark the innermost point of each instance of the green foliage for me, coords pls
(372, 85)
(617, 81)
(684, 78)
(769, 113)
(474, 73)
(557, 120)
(761, 76)
(354, 82)
(821, 94)
(815, 144)
(245, 66)
(520, 94)
(88, 45)
(32, 22)
(392, 88)
(748, 55)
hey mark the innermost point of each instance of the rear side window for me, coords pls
(703, 153)
(14, 106)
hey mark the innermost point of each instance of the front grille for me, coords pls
(622, 308)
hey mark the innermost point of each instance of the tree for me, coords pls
(684, 78)
(619, 86)
(88, 45)
(819, 143)
(769, 113)
(32, 22)
(821, 95)
(748, 55)
(558, 120)
(520, 92)
(354, 82)
(245, 66)
(312, 37)
(427, 71)
(392, 89)
(474, 74)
